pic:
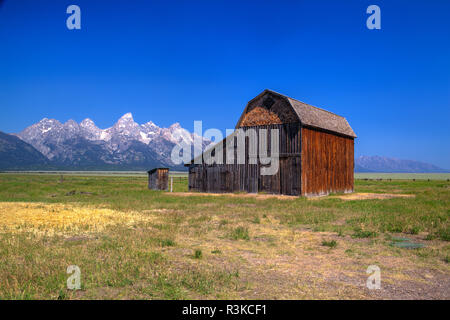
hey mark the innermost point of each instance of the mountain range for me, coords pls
(127, 145)
(391, 165)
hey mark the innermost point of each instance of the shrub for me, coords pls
(414, 230)
(444, 234)
(330, 244)
(198, 254)
(223, 222)
(166, 243)
(240, 233)
(429, 237)
(364, 234)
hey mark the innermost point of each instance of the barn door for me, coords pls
(290, 176)
(269, 183)
(252, 175)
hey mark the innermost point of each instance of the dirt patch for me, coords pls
(240, 205)
(80, 238)
(367, 196)
(157, 211)
(259, 196)
(238, 195)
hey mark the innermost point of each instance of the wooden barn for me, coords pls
(158, 179)
(316, 152)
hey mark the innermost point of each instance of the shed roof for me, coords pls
(311, 116)
(155, 169)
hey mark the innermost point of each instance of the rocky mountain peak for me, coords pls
(125, 128)
(150, 128)
(149, 124)
(127, 117)
(87, 123)
(46, 122)
(175, 126)
(71, 124)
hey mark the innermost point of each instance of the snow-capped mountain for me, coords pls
(385, 164)
(125, 145)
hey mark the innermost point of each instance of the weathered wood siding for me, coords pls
(159, 179)
(233, 177)
(327, 162)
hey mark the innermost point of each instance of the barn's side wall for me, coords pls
(327, 162)
(247, 177)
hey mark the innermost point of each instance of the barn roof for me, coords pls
(308, 115)
(311, 116)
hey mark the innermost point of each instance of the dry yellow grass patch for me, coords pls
(62, 219)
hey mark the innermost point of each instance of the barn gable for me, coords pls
(267, 108)
(270, 107)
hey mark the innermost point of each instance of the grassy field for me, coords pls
(94, 173)
(133, 243)
(358, 176)
(403, 176)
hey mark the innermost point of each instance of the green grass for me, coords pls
(154, 260)
(428, 212)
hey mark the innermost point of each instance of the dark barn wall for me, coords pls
(327, 162)
(247, 177)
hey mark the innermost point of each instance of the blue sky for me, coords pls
(180, 61)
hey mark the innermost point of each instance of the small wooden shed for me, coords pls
(316, 154)
(158, 179)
